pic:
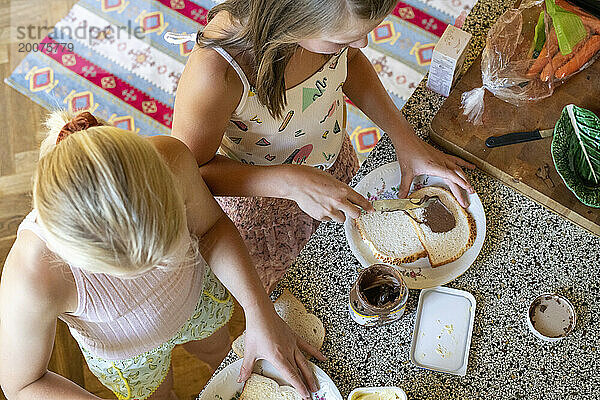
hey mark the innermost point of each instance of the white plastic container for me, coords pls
(443, 328)
(400, 395)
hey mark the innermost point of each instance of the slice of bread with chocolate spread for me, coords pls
(443, 240)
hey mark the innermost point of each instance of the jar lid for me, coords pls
(551, 317)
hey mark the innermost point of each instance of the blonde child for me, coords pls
(126, 245)
(261, 104)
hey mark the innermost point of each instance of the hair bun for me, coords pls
(80, 122)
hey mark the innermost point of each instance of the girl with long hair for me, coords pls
(261, 106)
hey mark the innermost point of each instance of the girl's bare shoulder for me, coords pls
(174, 152)
(207, 65)
(209, 88)
(204, 61)
(178, 158)
(196, 195)
(34, 275)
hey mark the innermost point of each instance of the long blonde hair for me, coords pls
(271, 29)
(108, 201)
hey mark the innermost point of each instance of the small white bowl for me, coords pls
(396, 390)
(551, 317)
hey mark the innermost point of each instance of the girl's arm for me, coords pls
(31, 295)
(208, 92)
(267, 336)
(416, 157)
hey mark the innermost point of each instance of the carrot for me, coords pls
(591, 22)
(564, 4)
(559, 60)
(587, 51)
(588, 20)
(550, 48)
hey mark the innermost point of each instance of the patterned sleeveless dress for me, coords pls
(311, 132)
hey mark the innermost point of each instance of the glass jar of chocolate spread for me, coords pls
(378, 296)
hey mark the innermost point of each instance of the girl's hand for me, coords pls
(418, 158)
(268, 337)
(322, 196)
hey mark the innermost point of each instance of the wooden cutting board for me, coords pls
(526, 167)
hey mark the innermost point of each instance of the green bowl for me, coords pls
(563, 160)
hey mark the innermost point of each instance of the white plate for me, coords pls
(224, 386)
(443, 328)
(383, 183)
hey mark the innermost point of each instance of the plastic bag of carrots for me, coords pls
(531, 50)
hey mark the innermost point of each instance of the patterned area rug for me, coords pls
(109, 57)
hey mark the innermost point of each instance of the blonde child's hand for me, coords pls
(418, 158)
(268, 337)
(322, 196)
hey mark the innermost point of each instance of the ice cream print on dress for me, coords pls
(240, 125)
(300, 155)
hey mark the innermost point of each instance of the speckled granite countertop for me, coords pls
(528, 251)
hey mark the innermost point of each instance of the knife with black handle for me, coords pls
(518, 137)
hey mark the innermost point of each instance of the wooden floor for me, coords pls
(19, 140)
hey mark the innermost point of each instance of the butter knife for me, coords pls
(518, 137)
(402, 204)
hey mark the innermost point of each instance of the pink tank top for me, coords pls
(120, 318)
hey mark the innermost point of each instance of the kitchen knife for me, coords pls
(518, 137)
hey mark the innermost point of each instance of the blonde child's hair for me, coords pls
(109, 202)
(271, 29)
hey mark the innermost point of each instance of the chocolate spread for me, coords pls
(379, 288)
(437, 217)
(378, 296)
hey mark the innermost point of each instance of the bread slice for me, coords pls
(391, 237)
(260, 387)
(308, 326)
(289, 393)
(445, 247)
